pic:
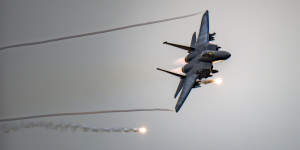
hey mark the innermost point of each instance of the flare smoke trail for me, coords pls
(83, 113)
(98, 32)
(63, 126)
(206, 81)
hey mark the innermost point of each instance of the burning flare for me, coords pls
(142, 130)
(218, 81)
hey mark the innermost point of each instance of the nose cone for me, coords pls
(226, 55)
(223, 55)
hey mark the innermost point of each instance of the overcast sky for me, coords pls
(256, 107)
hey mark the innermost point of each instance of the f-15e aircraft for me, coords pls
(199, 61)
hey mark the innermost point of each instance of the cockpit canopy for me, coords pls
(207, 54)
(211, 55)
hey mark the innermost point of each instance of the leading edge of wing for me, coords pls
(172, 73)
(187, 87)
(203, 37)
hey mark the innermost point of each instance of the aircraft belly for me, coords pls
(203, 69)
(204, 74)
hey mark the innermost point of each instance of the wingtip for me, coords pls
(206, 12)
(177, 108)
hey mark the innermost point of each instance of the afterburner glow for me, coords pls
(177, 70)
(180, 61)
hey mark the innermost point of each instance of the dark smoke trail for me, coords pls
(98, 32)
(83, 113)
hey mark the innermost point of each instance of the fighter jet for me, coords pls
(199, 61)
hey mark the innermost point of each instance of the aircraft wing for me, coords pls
(187, 87)
(172, 73)
(203, 37)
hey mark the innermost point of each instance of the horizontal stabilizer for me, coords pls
(189, 49)
(172, 73)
